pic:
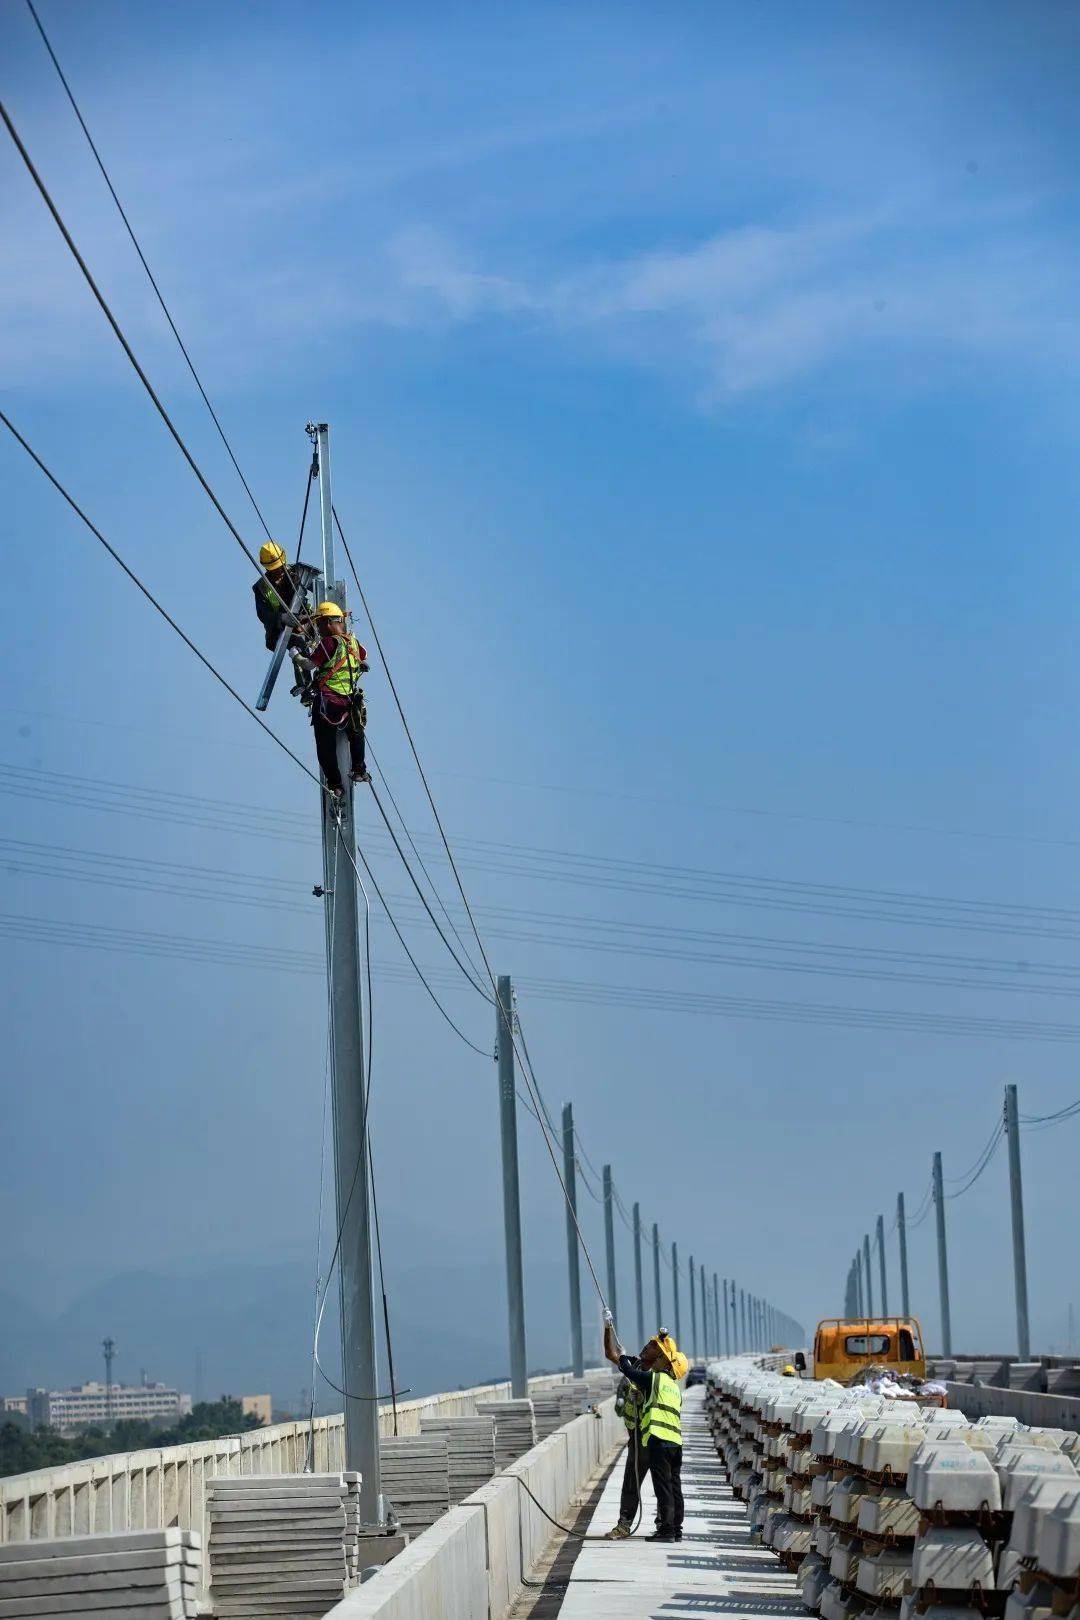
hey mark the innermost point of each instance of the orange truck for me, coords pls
(843, 1346)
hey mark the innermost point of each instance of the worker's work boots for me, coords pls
(620, 1532)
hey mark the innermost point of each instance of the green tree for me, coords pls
(22, 1450)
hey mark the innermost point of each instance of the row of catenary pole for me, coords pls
(723, 1319)
(859, 1298)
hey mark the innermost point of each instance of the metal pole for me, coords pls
(675, 1288)
(704, 1313)
(348, 1092)
(942, 1259)
(742, 1319)
(1016, 1197)
(734, 1329)
(868, 1274)
(572, 1262)
(693, 1312)
(725, 1330)
(638, 1290)
(109, 1351)
(609, 1239)
(901, 1227)
(881, 1261)
(656, 1276)
(716, 1309)
(515, 1283)
(858, 1283)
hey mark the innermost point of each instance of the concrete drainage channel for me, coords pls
(886, 1508)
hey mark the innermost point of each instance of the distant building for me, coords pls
(13, 1403)
(259, 1406)
(72, 1409)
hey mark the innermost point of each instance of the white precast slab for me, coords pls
(888, 1510)
(1057, 1550)
(1028, 1514)
(1044, 1439)
(1020, 1466)
(846, 1498)
(886, 1443)
(882, 1574)
(952, 1560)
(826, 1433)
(948, 1473)
(1033, 1605)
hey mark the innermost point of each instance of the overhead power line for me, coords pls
(235, 817)
(142, 260)
(150, 597)
(233, 693)
(642, 998)
(124, 344)
(982, 1163)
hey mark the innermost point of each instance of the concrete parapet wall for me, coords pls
(1039, 1411)
(158, 1489)
(475, 1567)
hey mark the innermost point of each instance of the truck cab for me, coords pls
(844, 1345)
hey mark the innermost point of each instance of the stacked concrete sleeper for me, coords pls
(889, 1509)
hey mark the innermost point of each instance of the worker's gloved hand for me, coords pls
(302, 665)
(363, 667)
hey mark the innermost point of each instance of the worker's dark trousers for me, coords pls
(665, 1462)
(634, 1475)
(326, 737)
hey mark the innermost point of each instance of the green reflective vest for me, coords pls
(342, 671)
(270, 595)
(661, 1416)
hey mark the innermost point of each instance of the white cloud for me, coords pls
(758, 307)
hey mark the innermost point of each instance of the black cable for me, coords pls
(382, 1289)
(585, 1156)
(423, 867)
(142, 259)
(507, 1012)
(313, 473)
(423, 898)
(1058, 1117)
(401, 939)
(988, 1154)
(115, 555)
(169, 620)
(125, 345)
(955, 1180)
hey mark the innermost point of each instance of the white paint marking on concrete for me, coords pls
(714, 1570)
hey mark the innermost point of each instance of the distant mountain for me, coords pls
(251, 1326)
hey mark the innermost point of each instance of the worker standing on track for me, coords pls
(336, 662)
(275, 589)
(652, 1413)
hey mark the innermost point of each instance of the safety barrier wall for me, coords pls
(1039, 1411)
(472, 1564)
(155, 1489)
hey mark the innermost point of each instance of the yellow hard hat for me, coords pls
(272, 555)
(680, 1366)
(328, 610)
(789, 1371)
(667, 1345)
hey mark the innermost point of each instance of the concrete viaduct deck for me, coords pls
(714, 1570)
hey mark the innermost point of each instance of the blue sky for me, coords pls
(701, 385)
